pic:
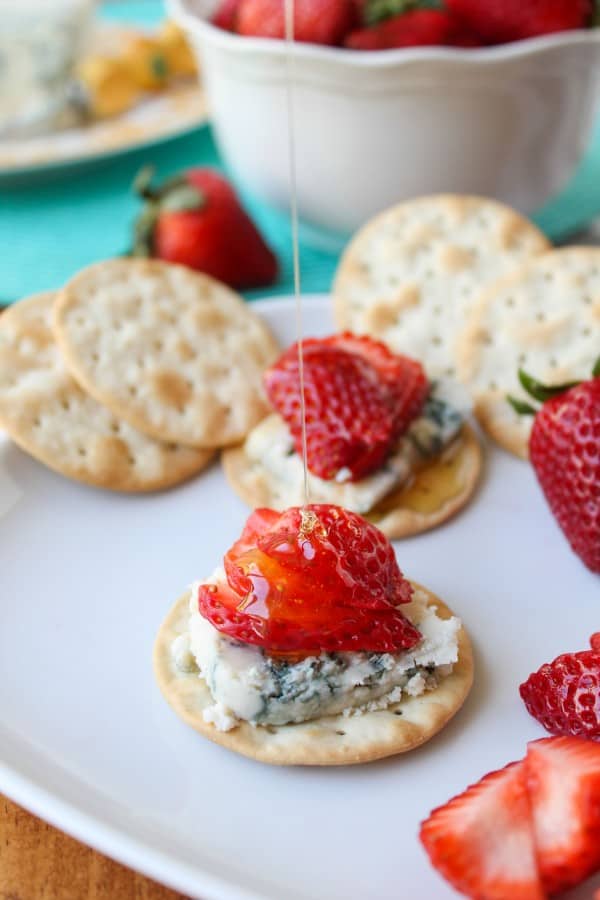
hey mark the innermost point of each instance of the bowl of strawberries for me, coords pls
(395, 98)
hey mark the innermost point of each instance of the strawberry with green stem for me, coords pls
(196, 219)
(564, 448)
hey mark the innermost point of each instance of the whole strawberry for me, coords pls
(196, 220)
(417, 28)
(564, 695)
(564, 448)
(315, 21)
(501, 21)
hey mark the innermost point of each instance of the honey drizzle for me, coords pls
(289, 81)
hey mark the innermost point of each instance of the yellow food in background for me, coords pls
(177, 50)
(109, 86)
(147, 62)
(141, 64)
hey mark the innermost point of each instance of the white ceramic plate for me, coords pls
(87, 741)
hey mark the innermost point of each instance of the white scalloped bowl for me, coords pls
(375, 128)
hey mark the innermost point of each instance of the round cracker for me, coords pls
(409, 277)
(46, 413)
(403, 513)
(329, 741)
(173, 352)
(545, 319)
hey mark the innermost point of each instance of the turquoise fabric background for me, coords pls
(52, 225)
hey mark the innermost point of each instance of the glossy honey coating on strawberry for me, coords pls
(359, 399)
(311, 580)
(564, 695)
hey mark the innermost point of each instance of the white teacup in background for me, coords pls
(40, 41)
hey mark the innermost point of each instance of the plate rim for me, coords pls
(111, 840)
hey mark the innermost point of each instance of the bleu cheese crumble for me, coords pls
(247, 684)
(269, 447)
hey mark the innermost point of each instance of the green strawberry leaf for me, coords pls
(543, 392)
(520, 407)
(595, 20)
(596, 369)
(378, 10)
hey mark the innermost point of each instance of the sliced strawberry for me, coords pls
(349, 424)
(563, 780)
(403, 376)
(482, 840)
(359, 399)
(320, 578)
(564, 695)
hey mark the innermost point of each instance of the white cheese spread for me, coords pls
(270, 446)
(247, 684)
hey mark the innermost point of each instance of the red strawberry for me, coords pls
(482, 840)
(418, 28)
(499, 21)
(311, 580)
(404, 377)
(225, 15)
(315, 21)
(564, 695)
(196, 220)
(359, 399)
(564, 448)
(563, 781)
(349, 423)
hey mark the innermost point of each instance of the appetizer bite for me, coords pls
(310, 647)
(381, 440)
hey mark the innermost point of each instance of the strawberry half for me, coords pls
(359, 399)
(564, 448)
(482, 840)
(563, 781)
(564, 695)
(311, 580)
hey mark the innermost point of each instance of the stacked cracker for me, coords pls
(474, 291)
(133, 375)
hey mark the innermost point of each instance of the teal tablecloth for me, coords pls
(51, 226)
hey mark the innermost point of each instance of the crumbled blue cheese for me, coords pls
(269, 447)
(247, 684)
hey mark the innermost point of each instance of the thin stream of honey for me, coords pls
(289, 81)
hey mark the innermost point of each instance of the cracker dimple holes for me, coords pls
(132, 390)
(397, 712)
(65, 404)
(340, 732)
(81, 451)
(540, 316)
(270, 728)
(510, 301)
(586, 332)
(95, 356)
